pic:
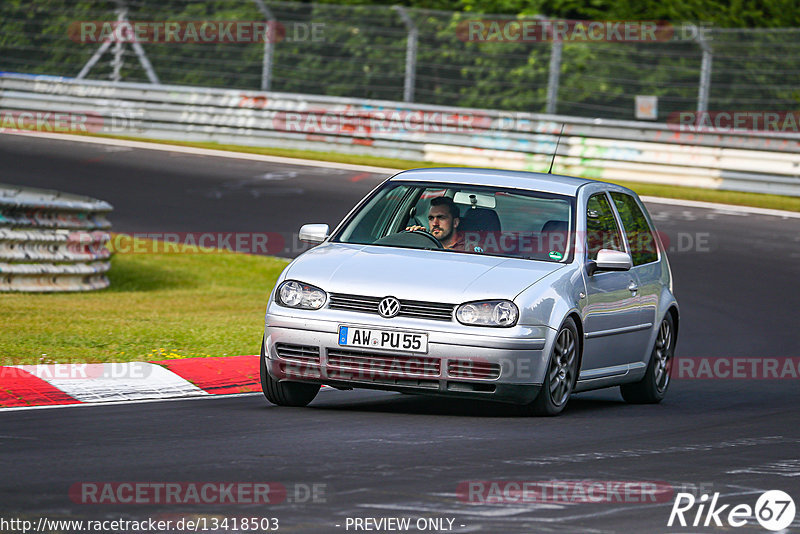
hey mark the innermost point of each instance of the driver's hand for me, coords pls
(416, 228)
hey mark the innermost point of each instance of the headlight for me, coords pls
(299, 295)
(488, 313)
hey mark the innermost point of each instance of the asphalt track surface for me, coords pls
(376, 454)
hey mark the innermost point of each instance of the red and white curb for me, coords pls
(59, 384)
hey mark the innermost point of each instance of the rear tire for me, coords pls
(285, 393)
(653, 387)
(562, 372)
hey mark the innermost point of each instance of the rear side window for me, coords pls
(640, 238)
(601, 226)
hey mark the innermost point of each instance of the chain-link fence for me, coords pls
(394, 53)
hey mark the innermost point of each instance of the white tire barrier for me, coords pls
(52, 241)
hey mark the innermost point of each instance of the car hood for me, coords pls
(416, 274)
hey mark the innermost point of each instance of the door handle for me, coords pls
(632, 287)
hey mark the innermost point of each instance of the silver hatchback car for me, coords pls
(500, 285)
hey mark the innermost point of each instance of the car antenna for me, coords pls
(550, 170)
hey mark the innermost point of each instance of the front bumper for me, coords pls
(492, 364)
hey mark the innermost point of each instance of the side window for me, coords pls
(640, 238)
(601, 226)
(372, 222)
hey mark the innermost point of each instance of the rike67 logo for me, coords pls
(774, 510)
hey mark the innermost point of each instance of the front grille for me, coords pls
(298, 353)
(417, 309)
(473, 369)
(407, 382)
(372, 365)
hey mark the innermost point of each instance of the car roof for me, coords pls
(536, 181)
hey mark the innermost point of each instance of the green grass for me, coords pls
(159, 306)
(759, 200)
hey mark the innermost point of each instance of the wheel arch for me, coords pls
(673, 311)
(576, 318)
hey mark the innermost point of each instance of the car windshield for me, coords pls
(466, 219)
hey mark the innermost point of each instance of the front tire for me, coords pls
(653, 387)
(285, 393)
(562, 372)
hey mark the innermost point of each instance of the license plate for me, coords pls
(352, 336)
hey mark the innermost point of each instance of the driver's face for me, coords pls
(440, 222)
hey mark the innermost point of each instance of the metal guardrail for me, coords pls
(762, 162)
(52, 241)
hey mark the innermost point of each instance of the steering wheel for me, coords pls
(429, 235)
(411, 238)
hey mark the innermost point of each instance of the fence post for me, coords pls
(411, 54)
(553, 77)
(705, 71)
(269, 45)
(116, 61)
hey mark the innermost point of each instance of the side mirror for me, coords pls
(313, 233)
(610, 260)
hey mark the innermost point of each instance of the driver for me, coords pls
(443, 220)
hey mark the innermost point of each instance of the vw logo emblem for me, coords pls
(389, 307)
